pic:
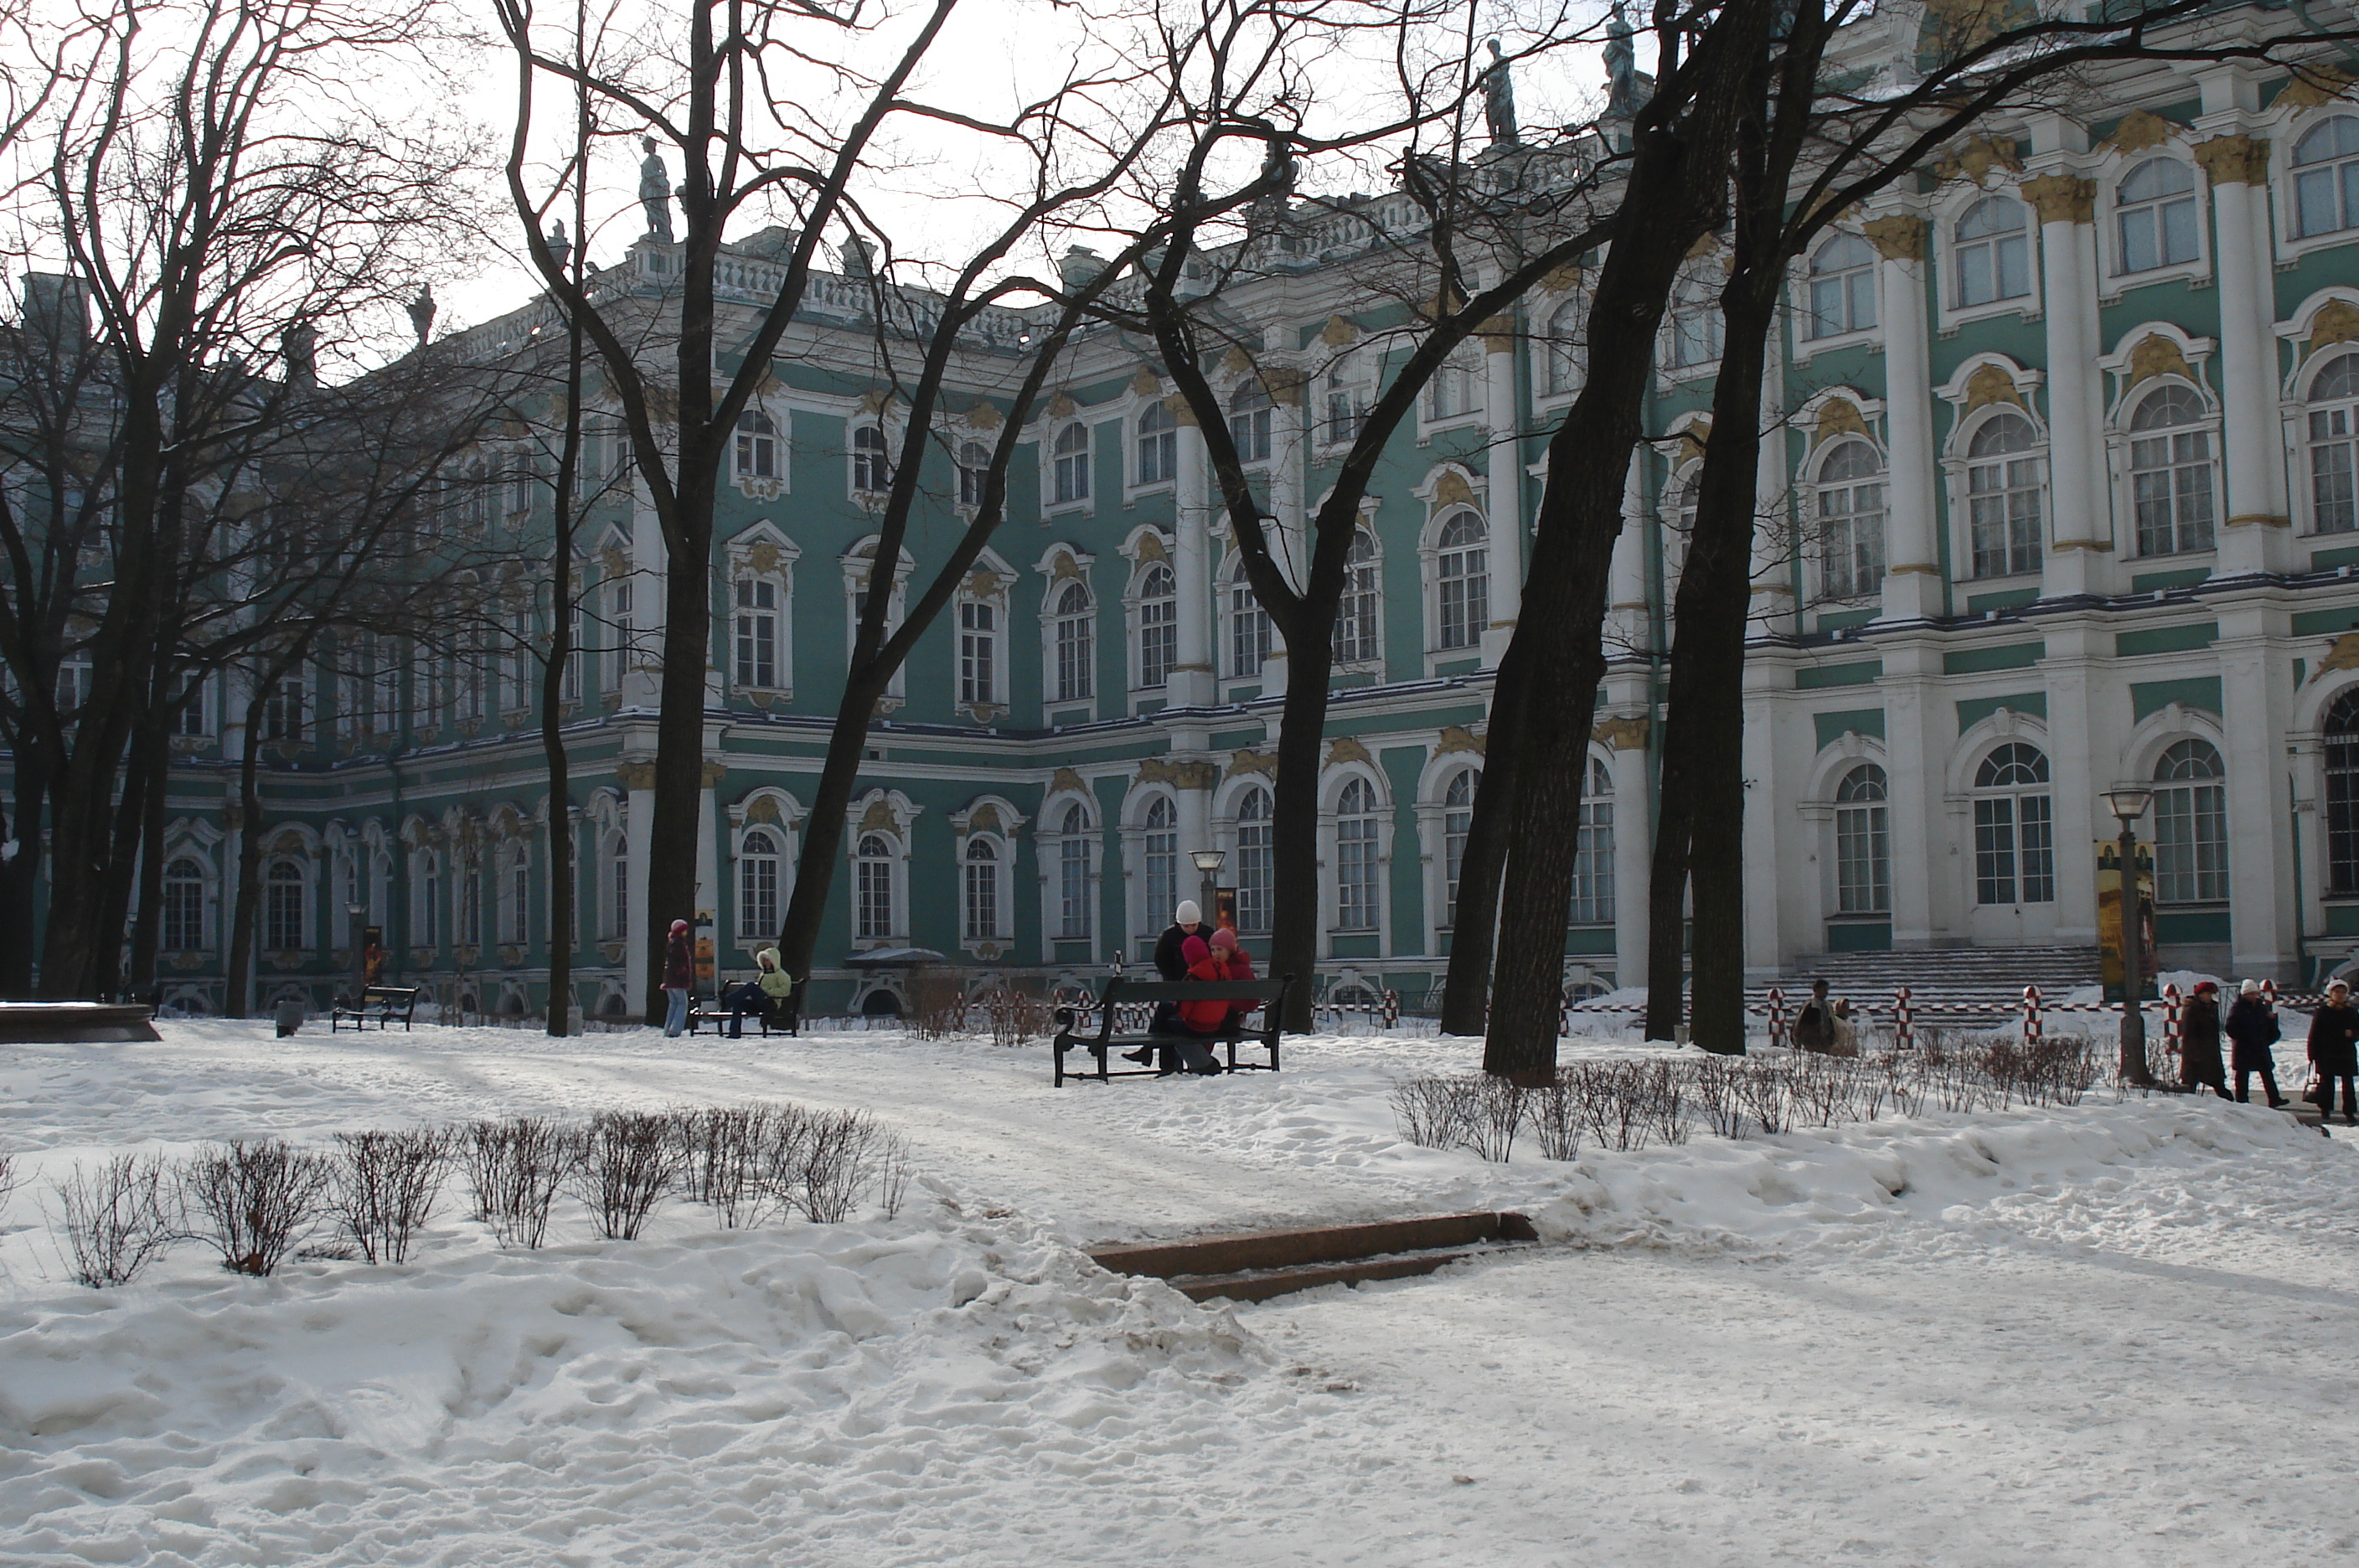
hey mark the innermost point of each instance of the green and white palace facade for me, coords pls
(2064, 494)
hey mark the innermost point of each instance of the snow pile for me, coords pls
(802, 1380)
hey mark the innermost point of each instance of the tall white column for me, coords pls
(639, 780)
(1912, 572)
(1503, 411)
(2256, 530)
(1628, 625)
(1634, 853)
(2256, 699)
(2081, 526)
(1191, 682)
(1772, 582)
(2085, 756)
(1914, 732)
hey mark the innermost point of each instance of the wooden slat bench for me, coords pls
(379, 1005)
(1120, 994)
(779, 1017)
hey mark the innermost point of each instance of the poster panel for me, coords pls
(2109, 919)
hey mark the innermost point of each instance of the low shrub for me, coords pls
(629, 1159)
(117, 1218)
(385, 1185)
(516, 1167)
(256, 1201)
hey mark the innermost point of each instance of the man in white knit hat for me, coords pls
(1187, 920)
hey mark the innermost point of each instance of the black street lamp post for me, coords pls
(2129, 803)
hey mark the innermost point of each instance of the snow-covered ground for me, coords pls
(2119, 1332)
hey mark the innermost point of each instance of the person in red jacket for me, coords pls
(1239, 964)
(1197, 1017)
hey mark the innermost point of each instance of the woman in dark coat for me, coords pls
(1170, 963)
(679, 974)
(2252, 1033)
(2334, 1052)
(2198, 1044)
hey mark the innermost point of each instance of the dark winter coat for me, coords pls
(1814, 1026)
(2334, 1041)
(2198, 1044)
(1170, 961)
(679, 964)
(2252, 1028)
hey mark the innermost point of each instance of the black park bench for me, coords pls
(379, 1005)
(783, 1016)
(1120, 994)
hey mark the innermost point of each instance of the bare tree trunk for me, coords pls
(20, 877)
(247, 902)
(147, 929)
(1474, 923)
(1666, 901)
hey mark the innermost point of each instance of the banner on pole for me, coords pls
(2109, 919)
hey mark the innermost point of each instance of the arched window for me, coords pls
(1249, 420)
(1992, 251)
(519, 898)
(426, 900)
(979, 658)
(1071, 476)
(620, 625)
(1074, 615)
(1568, 347)
(1697, 325)
(1253, 852)
(615, 888)
(982, 891)
(2155, 216)
(873, 887)
(2341, 730)
(1159, 859)
(1356, 829)
(1457, 821)
(1356, 612)
(2003, 497)
(1249, 625)
(184, 906)
(758, 885)
(2333, 463)
(2014, 834)
(2190, 826)
(757, 633)
(1073, 876)
(1158, 445)
(1462, 581)
(1159, 625)
(1850, 520)
(974, 468)
(282, 908)
(1455, 391)
(2326, 177)
(1593, 860)
(2171, 473)
(1842, 286)
(872, 464)
(1347, 397)
(757, 445)
(1862, 842)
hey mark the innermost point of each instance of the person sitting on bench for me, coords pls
(761, 996)
(1239, 966)
(1198, 1017)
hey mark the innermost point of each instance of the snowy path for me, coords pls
(2114, 1334)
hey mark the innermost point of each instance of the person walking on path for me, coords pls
(679, 974)
(1814, 1026)
(2334, 1052)
(2199, 1042)
(765, 994)
(2253, 1034)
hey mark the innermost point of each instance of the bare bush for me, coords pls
(628, 1161)
(1903, 1084)
(385, 1184)
(9, 1179)
(722, 1159)
(937, 1004)
(257, 1201)
(1016, 1014)
(1666, 1101)
(841, 1153)
(1761, 1091)
(1717, 1097)
(1431, 1112)
(893, 1172)
(516, 1167)
(1819, 1088)
(118, 1218)
(1554, 1111)
(1493, 1110)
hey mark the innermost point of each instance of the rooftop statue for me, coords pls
(654, 192)
(1499, 99)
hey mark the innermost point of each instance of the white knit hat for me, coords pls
(2249, 988)
(1187, 914)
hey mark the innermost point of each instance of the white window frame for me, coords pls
(1431, 552)
(2285, 185)
(1331, 830)
(1959, 464)
(1061, 469)
(1806, 314)
(2121, 443)
(1150, 910)
(1946, 248)
(1820, 486)
(1058, 846)
(1053, 624)
(1135, 602)
(2113, 253)
(745, 452)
